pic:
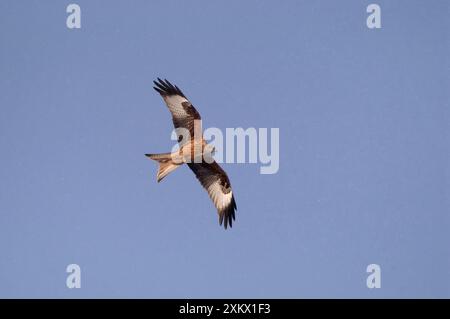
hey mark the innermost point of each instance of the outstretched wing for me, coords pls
(216, 182)
(184, 114)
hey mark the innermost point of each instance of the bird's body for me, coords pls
(195, 152)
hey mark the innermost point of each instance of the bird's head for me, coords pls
(209, 151)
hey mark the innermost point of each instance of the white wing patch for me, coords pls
(175, 106)
(221, 200)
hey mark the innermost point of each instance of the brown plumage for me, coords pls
(195, 152)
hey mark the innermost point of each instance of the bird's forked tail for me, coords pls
(166, 164)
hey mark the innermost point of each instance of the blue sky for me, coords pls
(363, 118)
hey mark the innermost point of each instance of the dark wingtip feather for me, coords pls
(227, 216)
(220, 219)
(158, 90)
(165, 88)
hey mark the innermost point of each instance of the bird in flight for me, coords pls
(194, 152)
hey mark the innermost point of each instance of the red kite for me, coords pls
(193, 152)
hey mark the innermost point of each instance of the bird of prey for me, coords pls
(194, 151)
